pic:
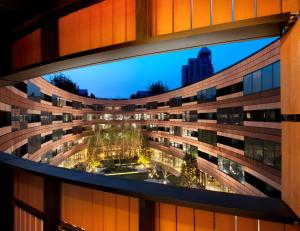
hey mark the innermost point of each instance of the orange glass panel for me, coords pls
(39, 225)
(109, 200)
(185, 219)
(95, 33)
(291, 6)
(224, 222)
(67, 203)
(29, 189)
(22, 219)
(153, 17)
(36, 46)
(69, 34)
(84, 29)
(131, 20)
(167, 217)
(122, 213)
(82, 208)
(157, 216)
(204, 221)
(119, 21)
(98, 211)
(27, 220)
(134, 214)
(247, 224)
(268, 7)
(21, 51)
(222, 11)
(27, 50)
(267, 226)
(182, 15)
(16, 220)
(243, 9)
(201, 13)
(32, 222)
(106, 23)
(77, 206)
(292, 228)
(164, 17)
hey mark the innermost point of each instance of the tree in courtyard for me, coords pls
(65, 83)
(157, 88)
(145, 153)
(116, 142)
(189, 176)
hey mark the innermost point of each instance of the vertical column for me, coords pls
(52, 189)
(143, 19)
(6, 198)
(290, 108)
(147, 215)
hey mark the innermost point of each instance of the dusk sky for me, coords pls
(121, 79)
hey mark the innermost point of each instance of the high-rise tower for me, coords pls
(197, 68)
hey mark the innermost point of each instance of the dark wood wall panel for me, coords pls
(239, 9)
(289, 71)
(201, 13)
(103, 24)
(292, 6)
(170, 16)
(24, 221)
(176, 218)
(29, 189)
(290, 83)
(96, 211)
(291, 165)
(182, 13)
(268, 7)
(27, 50)
(222, 11)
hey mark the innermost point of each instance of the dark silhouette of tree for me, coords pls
(133, 96)
(65, 83)
(157, 88)
(93, 96)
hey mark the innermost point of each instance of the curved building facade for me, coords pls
(231, 119)
(242, 123)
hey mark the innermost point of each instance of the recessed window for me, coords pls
(175, 102)
(34, 143)
(207, 95)
(267, 78)
(261, 80)
(231, 168)
(267, 152)
(206, 136)
(5, 119)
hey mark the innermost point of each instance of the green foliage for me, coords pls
(65, 83)
(157, 88)
(189, 176)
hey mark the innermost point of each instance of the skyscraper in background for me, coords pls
(197, 68)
